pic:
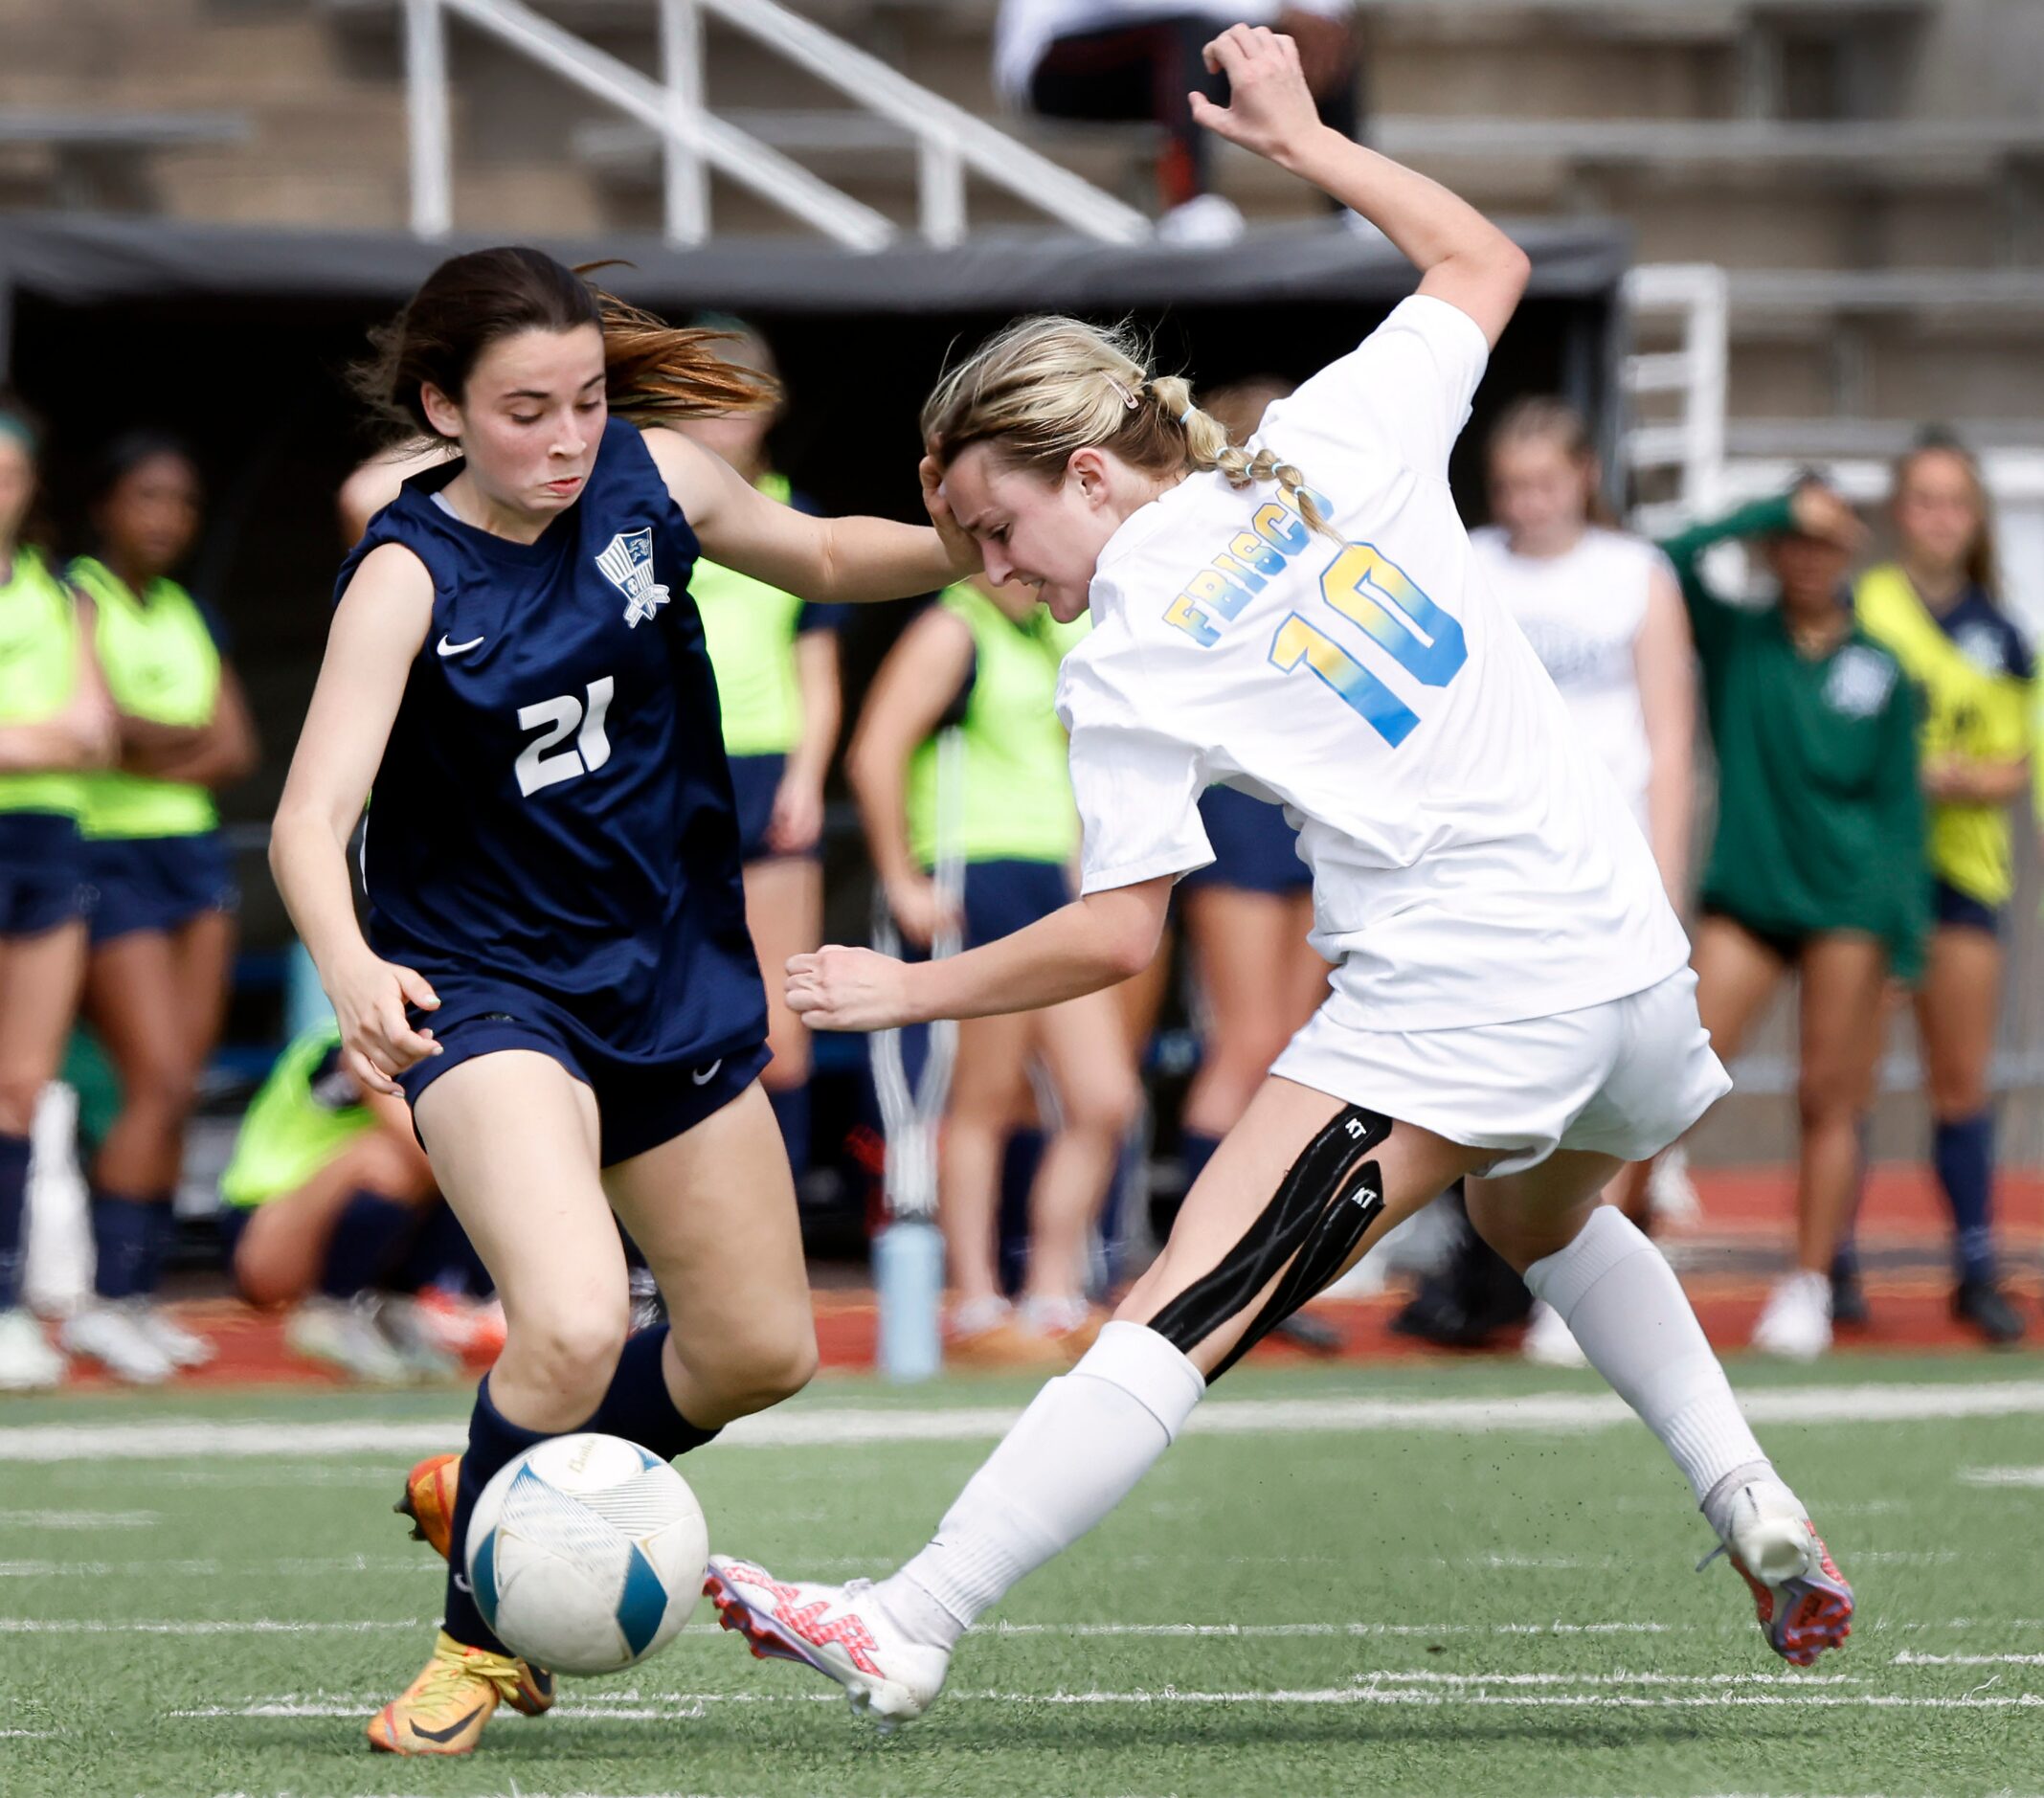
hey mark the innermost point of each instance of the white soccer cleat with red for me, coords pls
(844, 1631)
(1804, 1602)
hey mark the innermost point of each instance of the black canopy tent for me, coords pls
(237, 339)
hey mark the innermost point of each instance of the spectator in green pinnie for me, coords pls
(1816, 864)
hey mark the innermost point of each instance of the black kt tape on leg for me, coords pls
(1321, 1209)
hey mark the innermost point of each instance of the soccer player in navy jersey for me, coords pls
(555, 970)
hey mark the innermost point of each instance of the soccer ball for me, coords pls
(586, 1554)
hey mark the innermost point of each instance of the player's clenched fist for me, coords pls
(849, 989)
(1270, 109)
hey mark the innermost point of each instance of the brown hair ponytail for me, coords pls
(656, 372)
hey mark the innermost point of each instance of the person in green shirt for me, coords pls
(161, 893)
(985, 661)
(775, 659)
(1815, 867)
(326, 1193)
(1934, 606)
(54, 721)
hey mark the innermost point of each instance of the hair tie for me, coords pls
(1185, 416)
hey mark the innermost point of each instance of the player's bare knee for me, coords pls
(18, 1097)
(571, 1350)
(1102, 1107)
(759, 1370)
(395, 1170)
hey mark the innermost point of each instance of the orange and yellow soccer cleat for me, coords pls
(429, 1502)
(444, 1709)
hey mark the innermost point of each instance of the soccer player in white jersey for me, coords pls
(1510, 989)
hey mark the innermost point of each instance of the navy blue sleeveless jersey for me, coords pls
(554, 808)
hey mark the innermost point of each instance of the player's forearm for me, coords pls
(876, 558)
(877, 780)
(822, 713)
(49, 744)
(309, 859)
(1428, 223)
(1092, 943)
(1668, 820)
(1988, 783)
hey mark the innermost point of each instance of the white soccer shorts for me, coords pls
(1625, 1077)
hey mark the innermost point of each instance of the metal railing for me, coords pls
(950, 144)
(1692, 296)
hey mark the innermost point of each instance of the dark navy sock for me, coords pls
(1845, 1258)
(159, 1233)
(640, 1408)
(494, 1442)
(791, 1111)
(1962, 1151)
(121, 1232)
(13, 1215)
(369, 1236)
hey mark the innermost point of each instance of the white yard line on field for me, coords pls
(1908, 1657)
(78, 1519)
(681, 1705)
(200, 1626)
(819, 1426)
(2002, 1476)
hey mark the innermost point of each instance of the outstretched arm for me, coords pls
(1096, 941)
(378, 628)
(1462, 258)
(829, 560)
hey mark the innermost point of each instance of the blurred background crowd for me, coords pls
(1819, 700)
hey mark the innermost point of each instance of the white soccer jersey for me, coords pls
(1472, 864)
(1581, 611)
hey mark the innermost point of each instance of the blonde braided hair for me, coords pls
(1046, 387)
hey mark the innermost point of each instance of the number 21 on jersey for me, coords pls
(540, 764)
(1370, 590)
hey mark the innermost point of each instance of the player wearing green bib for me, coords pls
(1934, 606)
(985, 661)
(53, 722)
(775, 659)
(1816, 864)
(326, 1193)
(160, 892)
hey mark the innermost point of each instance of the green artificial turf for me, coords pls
(1420, 1610)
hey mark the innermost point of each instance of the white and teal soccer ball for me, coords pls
(586, 1554)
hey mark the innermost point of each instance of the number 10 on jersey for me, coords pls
(1372, 590)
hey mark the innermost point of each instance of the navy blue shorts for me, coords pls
(1949, 906)
(42, 873)
(1255, 849)
(754, 781)
(1002, 897)
(640, 1105)
(155, 883)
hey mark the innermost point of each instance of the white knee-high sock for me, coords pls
(1621, 1298)
(1072, 1456)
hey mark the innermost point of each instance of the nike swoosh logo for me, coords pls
(455, 649)
(462, 1586)
(709, 1074)
(452, 1730)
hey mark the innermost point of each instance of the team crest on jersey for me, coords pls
(627, 564)
(1860, 681)
(1981, 644)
